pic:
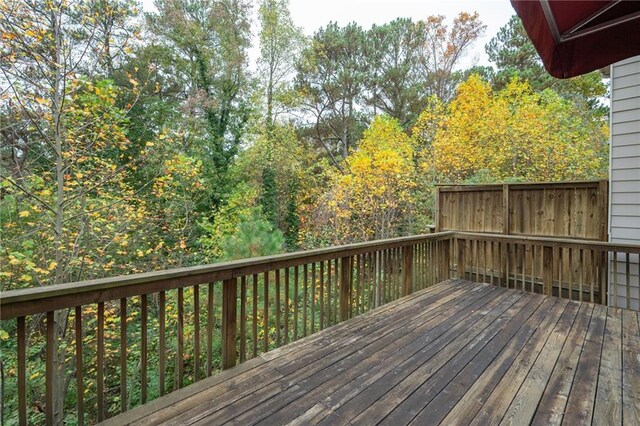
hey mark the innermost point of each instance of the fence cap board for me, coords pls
(569, 183)
(448, 187)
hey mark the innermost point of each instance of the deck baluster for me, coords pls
(210, 301)
(79, 367)
(254, 306)
(100, 361)
(243, 318)
(50, 368)
(179, 382)
(287, 272)
(407, 271)
(296, 274)
(196, 332)
(143, 348)
(123, 355)
(346, 276)
(22, 372)
(277, 303)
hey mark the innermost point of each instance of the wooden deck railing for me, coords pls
(591, 271)
(181, 325)
(115, 343)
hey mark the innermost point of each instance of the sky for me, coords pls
(311, 15)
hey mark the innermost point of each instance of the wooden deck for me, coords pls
(456, 353)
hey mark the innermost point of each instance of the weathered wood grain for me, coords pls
(525, 402)
(454, 353)
(482, 389)
(484, 371)
(551, 408)
(579, 409)
(608, 406)
(630, 367)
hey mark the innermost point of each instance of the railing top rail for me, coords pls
(30, 301)
(551, 241)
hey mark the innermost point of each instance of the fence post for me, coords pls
(505, 209)
(461, 250)
(547, 275)
(345, 287)
(407, 270)
(437, 210)
(603, 203)
(229, 308)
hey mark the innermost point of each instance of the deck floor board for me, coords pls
(455, 353)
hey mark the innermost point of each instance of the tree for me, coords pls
(512, 134)
(408, 62)
(330, 79)
(207, 46)
(253, 237)
(68, 209)
(280, 45)
(514, 55)
(281, 168)
(445, 47)
(373, 198)
(395, 82)
(240, 229)
(113, 32)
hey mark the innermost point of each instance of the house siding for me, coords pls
(624, 222)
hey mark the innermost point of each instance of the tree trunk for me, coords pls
(345, 133)
(60, 317)
(269, 117)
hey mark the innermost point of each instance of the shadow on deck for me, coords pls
(456, 353)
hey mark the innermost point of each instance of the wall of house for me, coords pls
(624, 217)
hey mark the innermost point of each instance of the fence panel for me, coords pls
(575, 210)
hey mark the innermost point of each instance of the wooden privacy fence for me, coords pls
(238, 310)
(576, 210)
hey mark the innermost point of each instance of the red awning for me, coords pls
(576, 37)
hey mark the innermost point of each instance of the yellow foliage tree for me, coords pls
(372, 199)
(513, 134)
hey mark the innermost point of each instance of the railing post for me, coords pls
(603, 203)
(461, 250)
(445, 269)
(547, 275)
(504, 263)
(603, 277)
(407, 270)
(229, 307)
(345, 287)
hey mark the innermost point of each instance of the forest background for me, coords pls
(140, 141)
